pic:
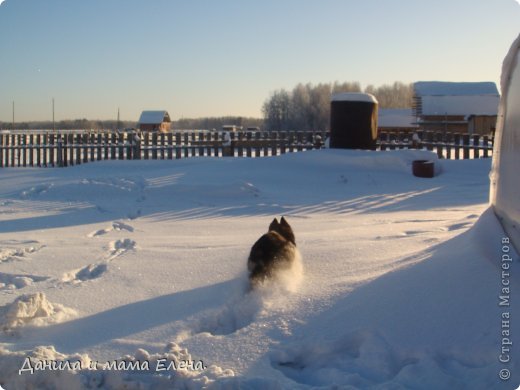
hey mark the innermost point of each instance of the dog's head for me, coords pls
(283, 229)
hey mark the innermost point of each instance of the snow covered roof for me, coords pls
(396, 117)
(354, 97)
(451, 98)
(154, 117)
(444, 88)
(460, 105)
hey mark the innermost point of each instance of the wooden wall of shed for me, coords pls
(163, 127)
(482, 124)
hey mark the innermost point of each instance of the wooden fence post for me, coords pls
(59, 155)
(146, 145)
(154, 146)
(65, 150)
(52, 149)
(1, 150)
(170, 146)
(99, 145)
(457, 146)
(476, 146)
(77, 144)
(121, 146)
(18, 149)
(129, 140)
(485, 144)
(44, 150)
(465, 150)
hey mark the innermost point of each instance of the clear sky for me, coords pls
(224, 57)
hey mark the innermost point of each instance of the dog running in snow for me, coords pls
(273, 252)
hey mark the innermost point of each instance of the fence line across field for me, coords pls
(447, 145)
(58, 149)
(61, 149)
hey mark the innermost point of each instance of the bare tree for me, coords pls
(307, 107)
(276, 111)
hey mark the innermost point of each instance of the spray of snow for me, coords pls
(33, 309)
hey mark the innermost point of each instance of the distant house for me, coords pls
(450, 106)
(158, 121)
(396, 120)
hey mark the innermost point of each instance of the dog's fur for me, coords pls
(274, 251)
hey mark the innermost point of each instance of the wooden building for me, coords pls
(482, 124)
(155, 121)
(449, 106)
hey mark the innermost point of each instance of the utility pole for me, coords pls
(53, 123)
(13, 114)
(118, 121)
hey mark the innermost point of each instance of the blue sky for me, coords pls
(214, 58)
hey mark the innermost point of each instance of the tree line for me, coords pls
(70, 124)
(205, 123)
(307, 106)
(216, 123)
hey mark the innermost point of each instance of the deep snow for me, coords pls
(146, 261)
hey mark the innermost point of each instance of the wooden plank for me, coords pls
(476, 146)
(113, 146)
(1, 150)
(146, 145)
(106, 146)
(170, 146)
(18, 150)
(77, 145)
(70, 145)
(457, 145)
(84, 147)
(129, 145)
(162, 137)
(121, 146)
(37, 147)
(52, 150)
(67, 156)
(99, 146)
(154, 146)
(466, 146)
(44, 150)
(92, 147)
(23, 145)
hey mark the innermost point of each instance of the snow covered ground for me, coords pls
(133, 274)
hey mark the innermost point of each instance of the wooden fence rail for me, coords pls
(446, 145)
(67, 149)
(74, 148)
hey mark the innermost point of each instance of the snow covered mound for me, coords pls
(32, 309)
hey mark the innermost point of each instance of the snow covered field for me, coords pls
(140, 267)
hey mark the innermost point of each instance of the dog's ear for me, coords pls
(286, 231)
(274, 225)
(284, 223)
